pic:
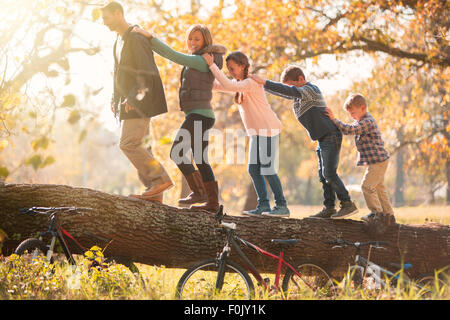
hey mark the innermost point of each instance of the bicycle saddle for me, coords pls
(286, 242)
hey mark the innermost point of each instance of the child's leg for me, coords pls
(254, 169)
(268, 157)
(277, 189)
(373, 177)
(328, 192)
(381, 191)
(259, 184)
(329, 147)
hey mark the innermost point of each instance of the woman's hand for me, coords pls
(208, 58)
(143, 32)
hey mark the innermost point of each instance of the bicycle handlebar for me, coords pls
(340, 243)
(52, 210)
(219, 216)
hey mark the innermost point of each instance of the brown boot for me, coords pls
(198, 193)
(212, 191)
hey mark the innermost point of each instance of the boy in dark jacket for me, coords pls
(309, 109)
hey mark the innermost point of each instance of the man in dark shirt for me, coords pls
(138, 96)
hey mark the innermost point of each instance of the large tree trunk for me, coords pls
(399, 199)
(156, 234)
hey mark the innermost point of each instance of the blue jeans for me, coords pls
(328, 149)
(263, 157)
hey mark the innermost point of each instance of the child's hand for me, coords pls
(143, 32)
(258, 79)
(208, 58)
(329, 113)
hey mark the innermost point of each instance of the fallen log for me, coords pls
(156, 234)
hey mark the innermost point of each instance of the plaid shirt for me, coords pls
(368, 139)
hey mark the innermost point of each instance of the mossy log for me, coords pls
(157, 234)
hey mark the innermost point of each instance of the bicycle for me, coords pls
(368, 275)
(31, 248)
(221, 276)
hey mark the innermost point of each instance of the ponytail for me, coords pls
(241, 59)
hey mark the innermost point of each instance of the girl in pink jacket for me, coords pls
(262, 126)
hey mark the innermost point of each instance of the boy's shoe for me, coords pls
(369, 217)
(258, 211)
(348, 208)
(326, 213)
(387, 219)
(278, 212)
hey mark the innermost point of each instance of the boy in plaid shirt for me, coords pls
(372, 154)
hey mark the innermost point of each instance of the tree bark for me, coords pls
(156, 234)
(399, 199)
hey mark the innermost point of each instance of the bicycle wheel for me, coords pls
(199, 282)
(311, 282)
(31, 249)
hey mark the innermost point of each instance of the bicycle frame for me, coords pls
(375, 271)
(233, 238)
(58, 233)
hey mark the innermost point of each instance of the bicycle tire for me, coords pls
(27, 247)
(199, 282)
(314, 283)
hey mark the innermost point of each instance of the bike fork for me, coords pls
(221, 270)
(50, 249)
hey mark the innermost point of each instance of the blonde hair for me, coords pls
(355, 100)
(207, 37)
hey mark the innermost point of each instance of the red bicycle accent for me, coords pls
(281, 262)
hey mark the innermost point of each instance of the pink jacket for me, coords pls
(256, 113)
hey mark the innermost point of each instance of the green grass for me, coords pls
(19, 280)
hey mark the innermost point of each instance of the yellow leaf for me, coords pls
(96, 13)
(3, 144)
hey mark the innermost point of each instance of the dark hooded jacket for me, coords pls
(137, 79)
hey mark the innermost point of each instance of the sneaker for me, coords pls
(258, 211)
(348, 208)
(278, 212)
(325, 213)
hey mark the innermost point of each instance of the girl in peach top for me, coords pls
(262, 126)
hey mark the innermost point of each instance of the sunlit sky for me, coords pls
(96, 71)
